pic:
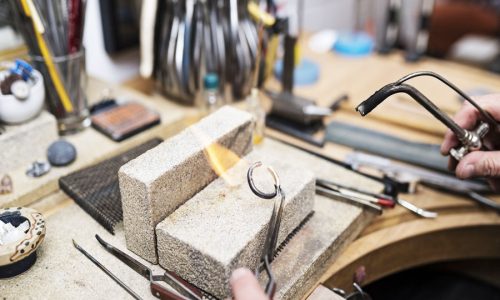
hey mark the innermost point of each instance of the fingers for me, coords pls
(449, 141)
(245, 286)
(467, 118)
(479, 164)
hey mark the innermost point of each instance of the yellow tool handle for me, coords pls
(31, 12)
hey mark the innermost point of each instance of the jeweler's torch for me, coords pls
(471, 140)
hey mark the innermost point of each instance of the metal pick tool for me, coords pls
(274, 225)
(38, 168)
(183, 289)
(108, 272)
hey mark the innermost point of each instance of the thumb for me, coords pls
(479, 164)
(245, 286)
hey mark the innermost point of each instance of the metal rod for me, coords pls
(108, 272)
(485, 114)
(336, 195)
(484, 201)
(394, 88)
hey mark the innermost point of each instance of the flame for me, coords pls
(220, 158)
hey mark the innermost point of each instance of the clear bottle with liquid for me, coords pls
(212, 99)
(254, 106)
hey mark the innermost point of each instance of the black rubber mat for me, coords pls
(96, 190)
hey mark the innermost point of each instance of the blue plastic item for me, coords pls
(306, 73)
(354, 44)
(23, 69)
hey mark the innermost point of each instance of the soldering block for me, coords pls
(156, 183)
(224, 226)
(20, 145)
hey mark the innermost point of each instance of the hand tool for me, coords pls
(39, 30)
(296, 108)
(359, 160)
(330, 193)
(382, 200)
(391, 186)
(189, 6)
(148, 20)
(179, 53)
(337, 102)
(171, 76)
(184, 290)
(417, 210)
(274, 225)
(377, 142)
(470, 140)
(107, 271)
(293, 130)
(429, 178)
(417, 45)
(388, 25)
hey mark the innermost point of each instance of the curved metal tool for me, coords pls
(274, 224)
(471, 140)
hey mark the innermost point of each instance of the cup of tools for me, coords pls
(65, 83)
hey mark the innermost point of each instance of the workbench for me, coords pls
(395, 241)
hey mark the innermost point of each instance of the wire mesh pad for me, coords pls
(96, 189)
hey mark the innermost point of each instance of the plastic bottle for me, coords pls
(254, 106)
(212, 100)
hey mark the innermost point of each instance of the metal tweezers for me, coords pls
(184, 290)
(274, 225)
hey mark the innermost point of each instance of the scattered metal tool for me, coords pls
(379, 199)
(470, 140)
(358, 160)
(274, 225)
(184, 290)
(417, 210)
(351, 199)
(429, 178)
(391, 186)
(108, 272)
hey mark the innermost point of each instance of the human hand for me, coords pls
(245, 286)
(477, 163)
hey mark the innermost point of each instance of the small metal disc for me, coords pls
(61, 153)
